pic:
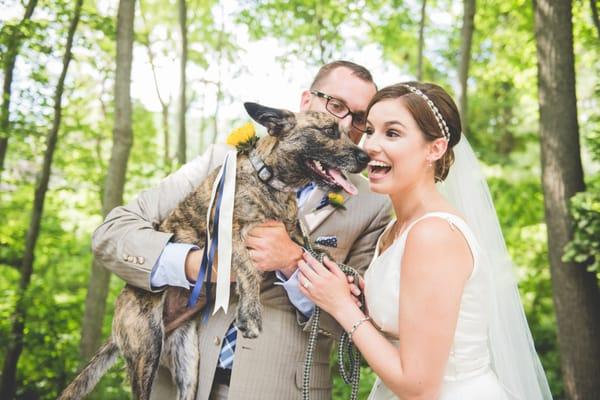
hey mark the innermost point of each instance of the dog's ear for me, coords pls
(275, 120)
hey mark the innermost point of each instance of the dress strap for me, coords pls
(455, 222)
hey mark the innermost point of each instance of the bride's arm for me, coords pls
(435, 266)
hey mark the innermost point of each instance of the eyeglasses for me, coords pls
(339, 109)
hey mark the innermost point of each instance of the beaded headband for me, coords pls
(438, 116)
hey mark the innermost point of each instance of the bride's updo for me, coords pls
(434, 111)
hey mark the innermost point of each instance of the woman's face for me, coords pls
(397, 148)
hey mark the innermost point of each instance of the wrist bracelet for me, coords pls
(356, 325)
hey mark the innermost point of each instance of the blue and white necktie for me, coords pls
(228, 348)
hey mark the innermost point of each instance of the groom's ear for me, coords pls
(437, 148)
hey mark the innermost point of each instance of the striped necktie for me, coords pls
(228, 348)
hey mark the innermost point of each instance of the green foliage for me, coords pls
(394, 25)
(503, 93)
(310, 29)
(520, 208)
(585, 247)
(585, 209)
(342, 391)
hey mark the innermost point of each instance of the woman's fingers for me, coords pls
(333, 267)
(307, 271)
(355, 290)
(361, 283)
(316, 265)
(303, 280)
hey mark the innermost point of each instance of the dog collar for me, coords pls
(265, 174)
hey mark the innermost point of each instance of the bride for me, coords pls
(444, 315)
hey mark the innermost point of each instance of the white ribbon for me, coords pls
(224, 248)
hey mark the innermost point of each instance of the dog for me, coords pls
(299, 148)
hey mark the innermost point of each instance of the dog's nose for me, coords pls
(362, 157)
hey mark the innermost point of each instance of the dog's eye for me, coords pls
(332, 132)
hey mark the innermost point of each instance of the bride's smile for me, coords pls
(398, 149)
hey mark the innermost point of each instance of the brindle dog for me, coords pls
(300, 148)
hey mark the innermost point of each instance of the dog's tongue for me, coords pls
(343, 182)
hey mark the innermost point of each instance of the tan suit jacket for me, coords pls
(271, 366)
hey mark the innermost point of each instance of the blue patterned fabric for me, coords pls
(329, 241)
(228, 348)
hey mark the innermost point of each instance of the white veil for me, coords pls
(514, 358)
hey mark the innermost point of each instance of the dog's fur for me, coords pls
(143, 319)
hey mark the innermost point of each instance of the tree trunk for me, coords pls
(166, 136)
(8, 384)
(465, 59)
(319, 32)
(164, 105)
(421, 41)
(595, 16)
(114, 184)
(12, 49)
(575, 291)
(219, 82)
(181, 145)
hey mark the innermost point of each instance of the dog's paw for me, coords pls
(250, 327)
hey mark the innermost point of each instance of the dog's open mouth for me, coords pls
(332, 176)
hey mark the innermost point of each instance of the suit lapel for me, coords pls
(313, 218)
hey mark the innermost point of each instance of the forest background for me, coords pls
(102, 99)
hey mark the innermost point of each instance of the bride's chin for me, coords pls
(377, 187)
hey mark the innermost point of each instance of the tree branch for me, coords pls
(595, 16)
(11, 262)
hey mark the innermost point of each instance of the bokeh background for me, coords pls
(82, 131)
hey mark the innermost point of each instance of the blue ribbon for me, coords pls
(208, 255)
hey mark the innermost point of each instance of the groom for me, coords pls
(270, 366)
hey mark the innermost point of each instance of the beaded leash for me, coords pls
(346, 349)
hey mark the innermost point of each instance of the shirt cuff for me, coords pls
(292, 288)
(170, 266)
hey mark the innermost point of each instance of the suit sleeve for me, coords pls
(359, 257)
(128, 243)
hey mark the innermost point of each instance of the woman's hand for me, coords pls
(326, 285)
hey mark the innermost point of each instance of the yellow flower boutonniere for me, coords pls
(336, 200)
(333, 199)
(243, 138)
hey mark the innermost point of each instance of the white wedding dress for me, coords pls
(468, 374)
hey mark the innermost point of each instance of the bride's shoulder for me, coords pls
(436, 241)
(433, 229)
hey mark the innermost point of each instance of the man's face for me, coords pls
(343, 85)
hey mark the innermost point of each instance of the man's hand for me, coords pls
(272, 249)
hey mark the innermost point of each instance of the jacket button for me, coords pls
(217, 341)
(140, 260)
(131, 258)
(125, 257)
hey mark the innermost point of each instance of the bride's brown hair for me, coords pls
(425, 117)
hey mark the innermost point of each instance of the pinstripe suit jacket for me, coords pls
(269, 367)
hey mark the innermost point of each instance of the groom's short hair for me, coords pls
(358, 70)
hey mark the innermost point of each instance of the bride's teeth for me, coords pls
(378, 164)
